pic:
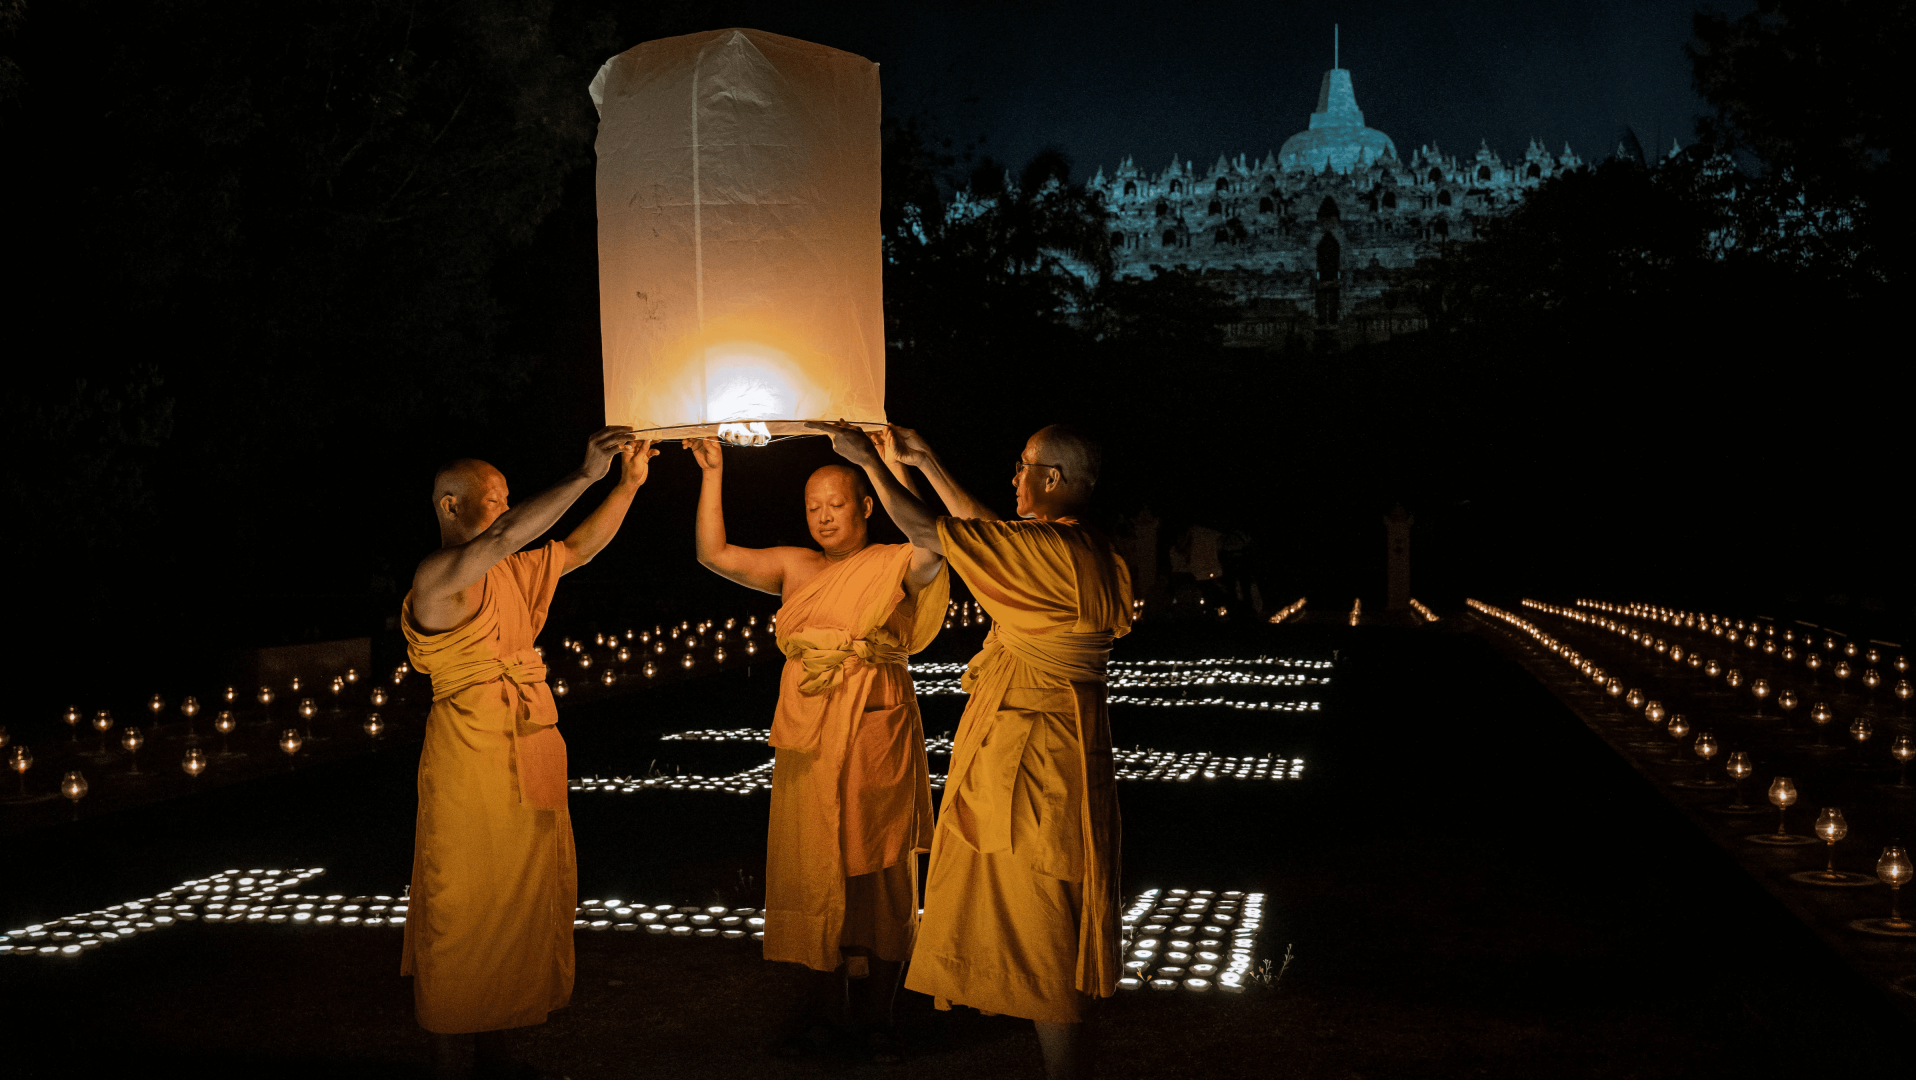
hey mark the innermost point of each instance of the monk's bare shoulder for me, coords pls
(801, 566)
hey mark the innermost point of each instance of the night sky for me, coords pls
(1100, 81)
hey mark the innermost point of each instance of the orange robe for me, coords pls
(1021, 902)
(494, 881)
(851, 793)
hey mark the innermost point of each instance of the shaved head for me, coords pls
(463, 478)
(853, 479)
(837, 503)
(468, 495)
(1076, 452)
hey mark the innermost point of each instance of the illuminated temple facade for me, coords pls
(1310, 240)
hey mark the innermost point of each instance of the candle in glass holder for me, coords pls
(651, 670)
(1813, 661)
(72, 717)
(194, 763)
(156, 705)
(1712, 668)
(1677, 653)
(1894, 870)
(1789, 654)
(1678, 726)
(1739, 767)
(1903, 749)
(718, 655)
(378, 696)
(190, 707)
(20, 759)
(1634, 699)
(307, 709)
(338, 687)
(290, 741)
(1733, 678)
(73, 786)
(1786, 700)
(1860, 730)
(295, 686)
(1842, 673)
(1760, 689)
(1654, 712)
(225, 722)
(1821, 715)
(373, 725)
(352, 676)
(131, 740)
(1696, 660)
(1831, 827)
(265, 696)
(606, 677)
(559, 688)
(1705, 747)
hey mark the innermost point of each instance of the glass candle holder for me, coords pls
(194, 762)
(1894, 869)
(73, 786)
(1903, 749)
(1782, 796)
(20, 759)
(1830, 827)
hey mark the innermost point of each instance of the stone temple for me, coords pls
(1310, 240)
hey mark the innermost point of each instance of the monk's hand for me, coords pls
(908, 446)
(604, 444)
(709, 453)
(635, 463)
(850, 442)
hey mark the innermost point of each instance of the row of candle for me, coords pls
(1133, 764)
(1811, 643)
(1417, 606)
(1893, 867)
(229, 896)
(1902, 748)
(195, 761)
(1357, 610)
(1138, 764)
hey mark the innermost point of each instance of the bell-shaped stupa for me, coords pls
(1337, 136)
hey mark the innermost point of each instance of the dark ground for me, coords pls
(1473, 883)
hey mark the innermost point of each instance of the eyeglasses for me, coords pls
(1023, 465)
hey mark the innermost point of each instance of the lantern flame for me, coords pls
(752, 434)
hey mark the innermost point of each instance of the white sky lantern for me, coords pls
(740, 289)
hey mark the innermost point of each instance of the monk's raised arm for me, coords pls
(910, 448)
(600, 526)
(912, 517)
(445, 574)
(755, 568)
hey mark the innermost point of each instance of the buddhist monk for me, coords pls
(1021, 900)
(494, 885)
(851, 794)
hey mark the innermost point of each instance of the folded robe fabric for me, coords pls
(1021, 903)
(851, 793)
(488, 936)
